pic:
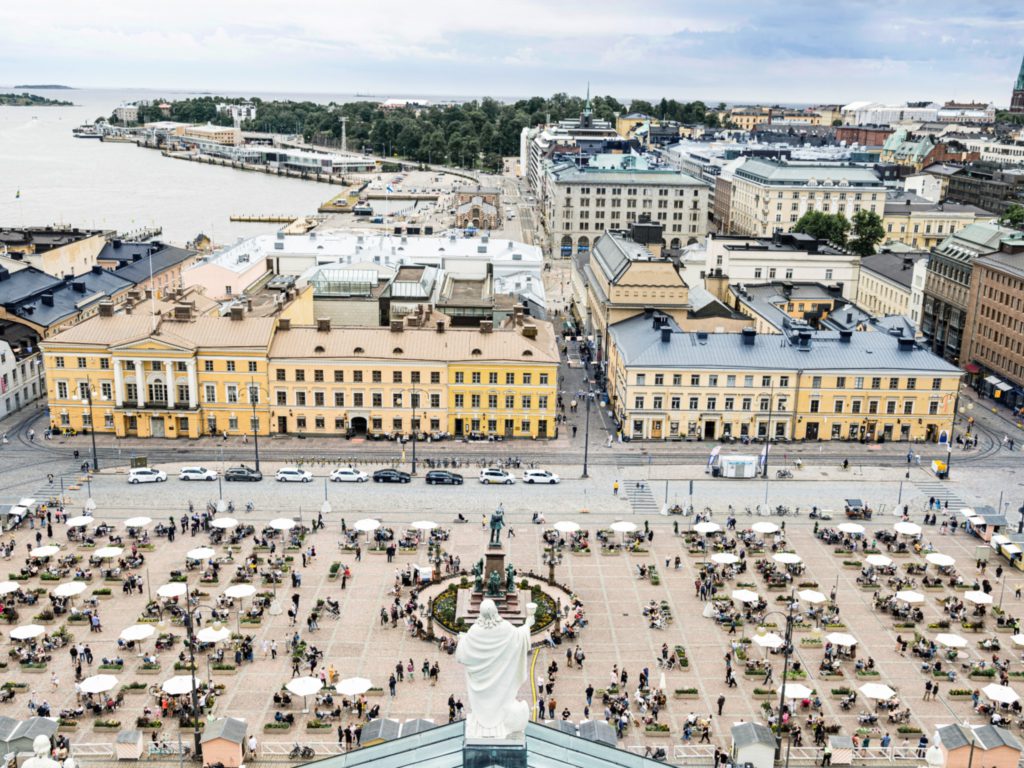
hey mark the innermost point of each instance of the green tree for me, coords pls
(1013, 216)
(824, 226)
(867, 232)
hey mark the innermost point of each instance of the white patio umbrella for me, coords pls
(240, 591)
(852, 528)
(69, 589)
(224, 522)
(1018, 639)
(425, 525)
(1003, 694)
(282, 524)
(623, 526)
(6, 587)
(200, 553)
(565, 526)
(768, 640)
(811, 596)
(304, 686)
(177, 685)
(876, 691)
(724, 558)
(706, 528)
(27, 632)
(79, 522)
(138, 522)
(950, 641)
(98, 684)
(841, 638)
(939, 559)
(353, 686)
(107, 553)
(367, 524)
(213, 634)
(137, 633)
(47, 550)
(978, 597)
(174, 589)
(744, 595)
(765, 527)
(797, 691)
(907, 529)
(909, 596)
(787, 558)
(879, 561)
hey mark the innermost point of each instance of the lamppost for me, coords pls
(414, 402)
(254, 397)
(588, 395)
(787, 650)
(551, 559)
(85, 393)
(952, 429)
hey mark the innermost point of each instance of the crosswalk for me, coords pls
(641, 499)
(941, 491)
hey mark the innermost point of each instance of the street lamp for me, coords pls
(952, 429)
(414, 398)
(254, 396)
(87, 390)
(588, 396)
(787, 650)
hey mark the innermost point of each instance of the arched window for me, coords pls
(396, 351)
(318, 349)
(358, 351)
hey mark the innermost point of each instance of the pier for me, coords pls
(273, 171)
(264, 219)
(140, 235)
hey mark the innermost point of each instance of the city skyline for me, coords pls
(799, 53)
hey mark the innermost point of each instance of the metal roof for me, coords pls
(229, 728)
(746, 734)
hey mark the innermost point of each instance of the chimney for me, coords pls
(666, 335)
(440, 326)
(47, 299)
(486, 326)
(648, 312)
(78, 286)
(906, 345)
(106, 309)
(237, 313)
(530, 331)
(749, 335)
(397, 326)
(323, 324)
(284, 324)
(97, 269)
(844, 336)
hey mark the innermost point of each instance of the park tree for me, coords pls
(1013, 216)
(824, 226)
(867, 232)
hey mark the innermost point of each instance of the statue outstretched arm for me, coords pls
(531, 614)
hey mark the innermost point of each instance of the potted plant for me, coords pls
(841, 692)
(106, 724)
(148, 724)
(317, 725)
(657, 730)
(275, 726)
(685, 693)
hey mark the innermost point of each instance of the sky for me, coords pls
(826, 51)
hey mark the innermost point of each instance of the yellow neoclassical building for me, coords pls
(665, 384)
(213, 375)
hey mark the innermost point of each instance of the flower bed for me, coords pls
(684, 662)
(685, 693)
(272, 727)
(106, 725)
(317, 725)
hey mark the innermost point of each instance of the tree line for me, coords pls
(471, 134)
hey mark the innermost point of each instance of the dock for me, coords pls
(265, 219)
(401, 196)
(273, 171)
(140, 235)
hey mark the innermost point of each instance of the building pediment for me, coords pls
(151, 344)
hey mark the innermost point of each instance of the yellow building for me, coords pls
(748, 118)
(211, 375)
(218, 134)
(922, 224)
(665, 384)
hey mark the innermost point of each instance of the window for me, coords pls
(528, 379)
(252, 366)
(676, 403)
(492, 377)
(890, 406)
(282, 397)
(872, 406)
(318, 399)
(396, 399)
(855, 406)
(783, 381)
(414, 377)
(62, 390)
(357, 377)
(339, 399)
(510, 378)
(105, 363)
(694, 379)
(300, 397)
(527, 402)
(207, 366)
(80, 362)
(58, 362)
(83, 390)
(300, 374)
(828, 274)
(279, 374)
(460, 401)
(657, 403)
(782, 404)
(712, 403)
(339, 377)
(757, 273)
(231, 366)
(894, 382)
(638, 401)
(933, 407)
(713, 380)
(876, 382)
(435, 377)
(106, 390)
(254, 393)
(435, 400)
(815, 406)
(377, 399)
(816, 382)
(789, 273)
(542, 402)
(460, 377)
(641, 379)
(730, 380)
(694, 403)
(209, 393)
(357, 399)
(908, 407)
(911, 383)
(396, 377)
(766, 381)
(318, 374)
(375, 377)
(840, 381)
(858, 382)
(510, 401)
(492, 401)
(543, 379)
(729, 403)
(232, 391)
(839, 406)
(936, 383)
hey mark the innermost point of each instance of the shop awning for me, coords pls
(972, 368)
(993, 380)
(1002, 386)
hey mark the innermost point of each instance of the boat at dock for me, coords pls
(86, 131)
(362, 209)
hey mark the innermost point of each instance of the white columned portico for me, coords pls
(169, 370)
(118, 384)
(193, 384)
(140, 383)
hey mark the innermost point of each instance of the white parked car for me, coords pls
(540, 476)
(493, 475)
(146, 475)
(197, 473)
(293, 475)
(348, 475)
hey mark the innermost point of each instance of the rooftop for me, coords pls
(202, 332)
(812, 175)
(43, 239)
(895, 267)
(641, 346)
(665, 177)
(46, 300)
(901, 201)
(783, 242)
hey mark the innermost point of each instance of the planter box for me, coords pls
(268, 729)
(958, 696)
(832, 677)
(142, 670)
(867, 675)
(763, 696)
(132, 691)
(658, 734)
(34, 670)
(63, 728)
(223, 672)
(149, 728)
(106, 728)
(685, 695)
(838, 696)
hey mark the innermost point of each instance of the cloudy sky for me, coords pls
(731, 50)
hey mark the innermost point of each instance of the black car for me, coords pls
(442, 477)
(391, 476)
(243, 474)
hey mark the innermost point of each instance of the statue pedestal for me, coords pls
(486, 753)
(511, 607)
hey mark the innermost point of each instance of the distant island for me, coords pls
(30, 100)
(48, 87)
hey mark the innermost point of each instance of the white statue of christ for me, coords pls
(496, 657)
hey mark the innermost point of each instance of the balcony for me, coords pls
(157, 405)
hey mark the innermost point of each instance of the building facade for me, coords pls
(923, 224)
(579, 204)
(57, 251)
(665, 384)
(210, 376)
(21, 378)
(947, 282)
(767, 195)
(988, 185)
(892, 283)
(993, 347)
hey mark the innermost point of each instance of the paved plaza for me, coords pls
(616, 635)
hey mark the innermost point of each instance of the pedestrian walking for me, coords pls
(615, 488)
(721, 703)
